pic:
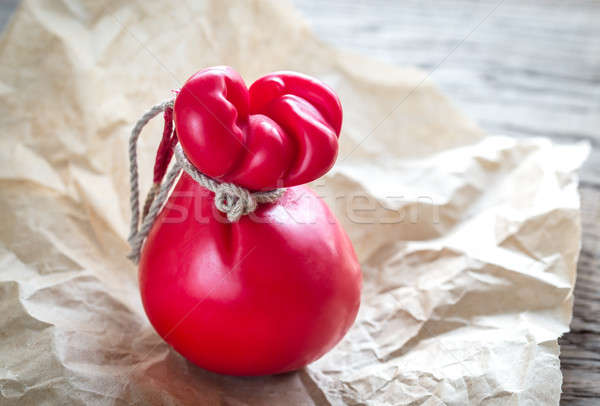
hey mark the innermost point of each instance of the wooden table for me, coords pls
(520, 68)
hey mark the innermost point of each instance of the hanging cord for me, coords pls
(134, 197)
(233, 200)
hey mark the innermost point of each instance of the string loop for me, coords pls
(233, 200)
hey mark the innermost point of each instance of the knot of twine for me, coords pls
(233, 200)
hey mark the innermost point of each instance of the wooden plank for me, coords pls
(517, 68)
(580, 348)
(6, 9)
(523, 70)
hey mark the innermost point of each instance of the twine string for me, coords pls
(134, 196)
(233, 200)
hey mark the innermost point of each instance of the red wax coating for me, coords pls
(268, 294)
(165, 148)
(283, 131)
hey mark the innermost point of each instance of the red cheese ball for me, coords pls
(265, 295)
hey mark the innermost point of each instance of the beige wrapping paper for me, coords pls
(468, 242)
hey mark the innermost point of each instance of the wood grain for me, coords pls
(519, 68)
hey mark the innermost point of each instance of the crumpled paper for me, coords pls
(468, 243)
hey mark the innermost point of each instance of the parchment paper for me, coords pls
(468, 242)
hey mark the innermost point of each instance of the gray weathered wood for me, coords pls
(522, 68)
